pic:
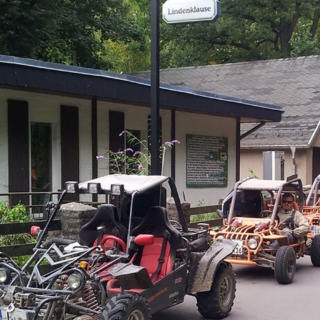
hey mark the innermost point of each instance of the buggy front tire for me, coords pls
(126, 306)
(218, 302)
(315, 251)
(285, 265)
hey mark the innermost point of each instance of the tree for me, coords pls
(64, 31)
(132, 56)
(247, 30)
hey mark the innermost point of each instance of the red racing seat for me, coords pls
(158, 258)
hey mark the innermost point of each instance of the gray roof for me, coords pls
(292, 83)
(32, 75)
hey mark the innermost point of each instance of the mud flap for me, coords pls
(204, 265)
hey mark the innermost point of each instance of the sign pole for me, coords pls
(174, 11)
(155, 136)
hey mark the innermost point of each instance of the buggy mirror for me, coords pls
(144, 239)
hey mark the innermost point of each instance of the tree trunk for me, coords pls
(284, 37)
(315, 23)
(74, 57)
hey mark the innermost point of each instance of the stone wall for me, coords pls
(173, 213)
(73, 216)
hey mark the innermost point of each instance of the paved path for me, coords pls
(260, 297)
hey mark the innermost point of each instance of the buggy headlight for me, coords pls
(72, 187)
(117, 189)
(252, 243)
(5, 275)
(94, 187)
(74, 281)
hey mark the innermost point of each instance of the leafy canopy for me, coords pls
(64, 31)
(247, 30)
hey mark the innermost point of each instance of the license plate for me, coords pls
(238, 249)
(315, 230)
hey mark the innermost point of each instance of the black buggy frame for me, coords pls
(74, 288)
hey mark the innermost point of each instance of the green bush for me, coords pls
(17, 213)
(204, 217)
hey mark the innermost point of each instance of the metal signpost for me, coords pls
(173, 11)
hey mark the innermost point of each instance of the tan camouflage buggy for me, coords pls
(255, 234)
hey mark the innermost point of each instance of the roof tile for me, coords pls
(292, 83)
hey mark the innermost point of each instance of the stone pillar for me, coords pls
(73, 216)
(173, 213)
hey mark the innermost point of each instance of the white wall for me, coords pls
(199, 124)
(46, 108)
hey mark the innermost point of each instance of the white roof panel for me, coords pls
(258, 184)
(131, 183)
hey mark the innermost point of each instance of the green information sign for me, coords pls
(207, 161)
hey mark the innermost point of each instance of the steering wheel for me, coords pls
(265, 213)
(105, 242)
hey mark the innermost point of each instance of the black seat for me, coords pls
(157, 258)
(107, 217)
(156, 222)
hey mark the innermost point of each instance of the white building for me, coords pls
(55, 119)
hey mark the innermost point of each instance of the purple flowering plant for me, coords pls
(131, 161)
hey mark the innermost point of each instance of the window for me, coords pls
(41, 164)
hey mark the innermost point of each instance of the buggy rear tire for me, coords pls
(218, 302)
(126, 306)
(285, 265)
(315, 251)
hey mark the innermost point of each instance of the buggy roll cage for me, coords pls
(95, 186)
(313, 192)
(292, 184)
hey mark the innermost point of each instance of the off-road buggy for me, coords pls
(132, 261)
(255, 234)
(311, 210)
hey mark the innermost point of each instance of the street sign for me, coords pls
(180, 11)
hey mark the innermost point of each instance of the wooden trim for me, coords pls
(116, 126)
(69, 117)
(24, 227)
(18, 149)
(238, 150)
(315, 162)
(201, 210)
(94, 142)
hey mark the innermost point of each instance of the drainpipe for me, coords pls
(293, 151)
